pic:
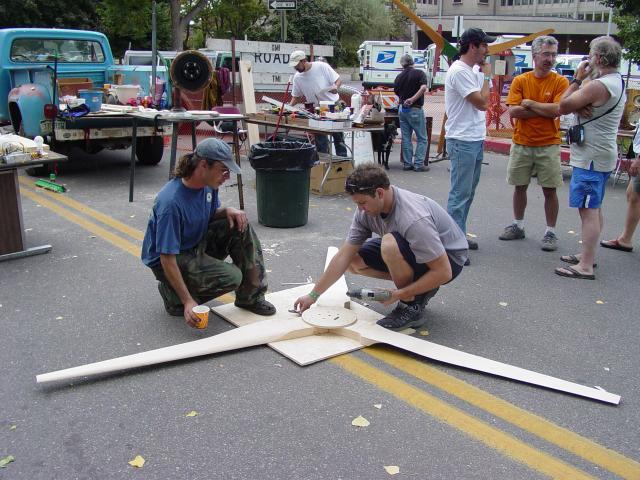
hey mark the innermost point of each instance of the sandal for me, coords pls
(571, 272)
(573, 260)
(615, 245)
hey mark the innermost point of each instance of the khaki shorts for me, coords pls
(544, 161)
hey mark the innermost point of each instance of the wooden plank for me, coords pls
(369, 334)
(248, 95)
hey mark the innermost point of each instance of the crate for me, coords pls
(338, 173)
(70, 86)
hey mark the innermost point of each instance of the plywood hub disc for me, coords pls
(329, 317)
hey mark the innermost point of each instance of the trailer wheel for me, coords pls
(149, 150)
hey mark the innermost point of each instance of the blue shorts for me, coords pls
(587, 188)
(370, 253)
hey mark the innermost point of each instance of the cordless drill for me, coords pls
(378, 294)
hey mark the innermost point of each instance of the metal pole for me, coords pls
(609, 22)
(154, 53)
(284, 18)
(234, 69)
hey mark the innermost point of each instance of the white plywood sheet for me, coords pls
(306, 350)
(248, 95)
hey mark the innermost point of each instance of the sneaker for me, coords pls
(167, 294)
(406, 168)
(422, 168)
(467, 262)
(261, 307)
(512, 232)
(403, 316)
(549, 242)
(473, 245)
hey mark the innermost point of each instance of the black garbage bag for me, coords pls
(283, 155)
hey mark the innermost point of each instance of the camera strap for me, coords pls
(610, 110)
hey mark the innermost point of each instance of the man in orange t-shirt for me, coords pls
(533, 102)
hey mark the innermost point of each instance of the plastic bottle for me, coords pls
(163, 101)
(356, 103)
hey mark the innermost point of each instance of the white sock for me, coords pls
(550, 229)
(519, 223)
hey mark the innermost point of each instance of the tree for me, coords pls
(128, 22)
(80, 14)
(182, 13)
(627, 18)
(231, 18)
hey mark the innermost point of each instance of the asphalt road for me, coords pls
(261, 416)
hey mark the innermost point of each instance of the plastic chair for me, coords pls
(222, 128)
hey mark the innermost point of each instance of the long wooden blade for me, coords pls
(370, 334)
(247, 336)
(501, 47)
(445, 47)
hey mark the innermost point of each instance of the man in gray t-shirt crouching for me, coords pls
(418, 246)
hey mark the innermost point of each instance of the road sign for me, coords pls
(283, 4)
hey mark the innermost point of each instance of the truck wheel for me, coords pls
(149, 150)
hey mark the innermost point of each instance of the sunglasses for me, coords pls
(353, 188)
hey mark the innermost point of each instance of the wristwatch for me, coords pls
(576, 81)
(487, 78)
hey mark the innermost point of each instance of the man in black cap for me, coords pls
(466, 96)
(189, 236)
(410, 86)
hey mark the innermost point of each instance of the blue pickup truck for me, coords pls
(35, 62)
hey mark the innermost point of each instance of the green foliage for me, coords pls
(231, 18)
(629, 33)
(80, 14)
(624, 7)
(345, 25)
(129, 22)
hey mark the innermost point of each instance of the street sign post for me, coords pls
(283, 4)
(458, 28)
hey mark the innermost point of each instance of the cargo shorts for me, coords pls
(544, 161)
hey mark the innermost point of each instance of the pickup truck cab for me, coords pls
(34, 62)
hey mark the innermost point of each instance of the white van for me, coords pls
(380, 62)
(435, 79)
(143, 57)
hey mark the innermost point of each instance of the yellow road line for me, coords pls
(82, 208)
(119, 242)
(562, 437)
(503, 442)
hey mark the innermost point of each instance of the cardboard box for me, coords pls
(330, 124)
(70, 86)
(338, 173)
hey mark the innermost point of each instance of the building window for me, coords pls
(483, 2)
(456, 2)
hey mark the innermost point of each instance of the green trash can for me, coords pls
(282, 181)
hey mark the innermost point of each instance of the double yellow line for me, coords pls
(489, 435)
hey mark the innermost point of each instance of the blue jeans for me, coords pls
(322, 144)
(466, 163)
(413, 121)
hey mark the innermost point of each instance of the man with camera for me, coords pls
(598, 105)
(533, 103)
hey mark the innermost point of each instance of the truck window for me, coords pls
(31, 50)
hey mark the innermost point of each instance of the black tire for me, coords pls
(149, 150)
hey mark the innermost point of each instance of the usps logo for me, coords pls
(386, 56)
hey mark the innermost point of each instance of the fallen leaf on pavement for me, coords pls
(59, 317)
(424, 333)
(192, 413)
(4, 461)
(378, 405)
(599, 302)
(360, 422)
(137, 462)
(392, 469)
(13, 427)
(503, 304)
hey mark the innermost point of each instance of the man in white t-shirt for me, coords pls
(317, 82)
(466, 95)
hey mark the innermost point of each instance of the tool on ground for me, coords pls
(51, 184)
(297, 312)
(377, 294)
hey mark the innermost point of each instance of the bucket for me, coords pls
(92, 99)
(126, 92)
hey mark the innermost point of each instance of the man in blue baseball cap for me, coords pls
(189, 236)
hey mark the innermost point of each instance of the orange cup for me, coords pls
(202, 311)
